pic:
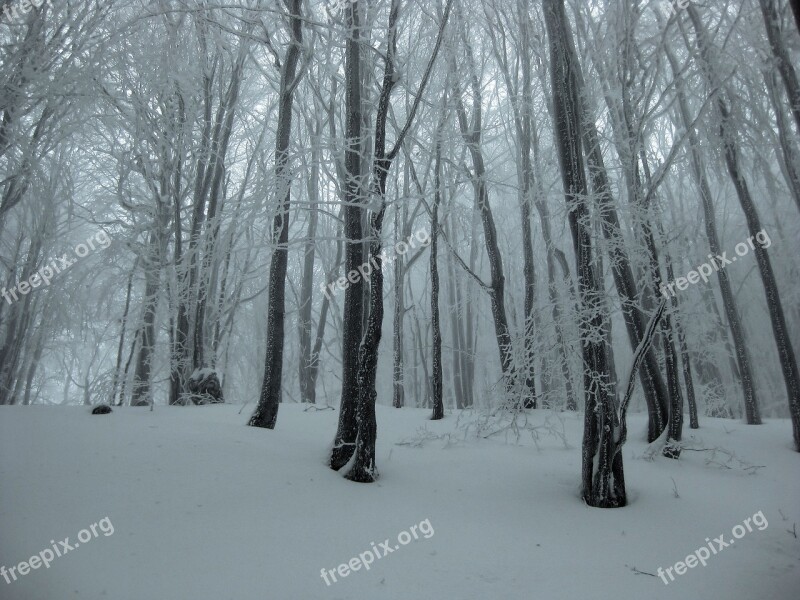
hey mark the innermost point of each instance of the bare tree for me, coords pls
(728, 135)
(266, 413)
(603, 477)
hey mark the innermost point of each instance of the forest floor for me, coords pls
(205, 508)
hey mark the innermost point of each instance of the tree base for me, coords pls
(606, 502)
(362, 474)
(204, 388)
(672, 449)
(263, 422)
(341, 455)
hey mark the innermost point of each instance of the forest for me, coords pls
(369, 238)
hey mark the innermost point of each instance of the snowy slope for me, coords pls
(206, 508)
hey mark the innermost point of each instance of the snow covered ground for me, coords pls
(204, 507)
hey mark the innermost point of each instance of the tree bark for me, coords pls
(141, 393)
(266, 413)
(307, 392)
(655, 392)
(398, 366)
(472, 132)
(436, 382)
(364, 469)
(603, 477)
(769, 10)
(347, 430)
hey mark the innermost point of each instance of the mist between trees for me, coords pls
(566, 162)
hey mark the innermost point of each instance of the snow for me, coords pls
(199, 374)
(204, 507)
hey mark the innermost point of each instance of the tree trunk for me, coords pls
(436, 382)
(347, 430)
(472, 132)
(398, 372)
(655, 392)
(791, 159)
(363, 469)
(266, 413)
(732, 162)
(552, 287)
(603, 477)
(141, 394)
(769, 9)
(456, 329)
(307, 392)
(122, 327)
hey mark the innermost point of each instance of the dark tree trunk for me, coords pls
(456, 331)
(436, 382)
(364, 469)
(769, 9)
(552, 287)
(603, 477)
(655, 392)
(141, 394)
(732, 160)
(791, 159)
(672, 448)
(472, 133)
(521, 98)
(398, 373)
(122, 327)
(204, 353)
(266, 413)
(347, 430)
(728, 300)
(308, 391)
(684, 350)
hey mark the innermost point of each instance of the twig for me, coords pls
(731, 459)
(639, 572)
(317, 408)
